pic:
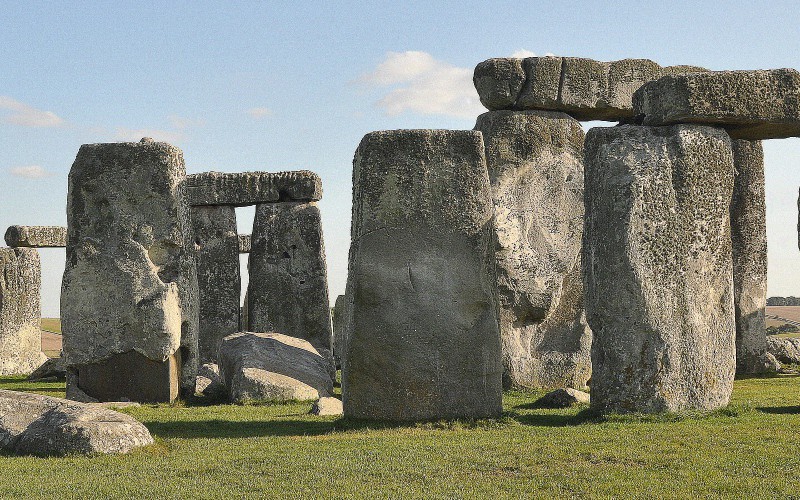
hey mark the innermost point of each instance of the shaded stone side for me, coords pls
(36, 236)
(251, 188)
(339, 329)
(423, 340)
(218, 280)
(20, 312)
(658, 269)
(130, 281)
(535, 164)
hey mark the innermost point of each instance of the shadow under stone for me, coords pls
(779, 410)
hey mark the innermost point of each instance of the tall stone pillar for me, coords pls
(20, 313)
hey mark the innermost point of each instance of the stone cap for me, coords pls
(251, 188)
(245, 243)
(36, 236)
(584, 88)
(760, 104)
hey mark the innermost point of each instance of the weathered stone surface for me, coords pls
(535, 163)
(785, 350)
(562, 398)
(749, 246)
(36, 236)
(423, 335)
(41, 425)
(329, 406)
(499, 82)
(658, 270)
(252, 188)
(288, 287)
(53, 368)
(753, 105)
(129, 292)
(339, 329)
(273, 367)
(209, 384)
(20, 312)
(245, 243)
(218, 280)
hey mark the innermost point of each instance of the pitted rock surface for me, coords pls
(251, 188)
(20, 311)
(36, 236)
(245, 243)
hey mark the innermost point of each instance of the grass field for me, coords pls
(52, 325)
(749, 450)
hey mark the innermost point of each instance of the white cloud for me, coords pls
(135, 135)
(181, 123)
(259, 112)
(29, 172)
(424, 85)
(523, 53)
(25, 115)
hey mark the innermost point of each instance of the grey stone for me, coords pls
(288, 287)
(251, 188)
(20, 311)
(749, 246)
(542, 83)
(563, 398)
(273, 367)
(329, 406)
(785, 350)
(423, 340)
(129, 301)
(499, 82)
(36, 236)
(245, 243)
(31, 424)
(657, 268)
(339, 329)
(218, 280)
(53, 368)
(763, 104)
(535, 163)
(209, 384)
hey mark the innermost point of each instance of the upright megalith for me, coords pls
(20, 316)
(423, 336)
(288, 287)
(657, 267)
(129, 299)
(535, 164)
(218, 280)
(339, 330)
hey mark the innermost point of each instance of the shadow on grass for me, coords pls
(555, 419)
(779, 410)
(230, 429)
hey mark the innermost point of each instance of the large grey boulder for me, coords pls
(129, 294)
(218, 280)
(535, 164)
(658, 270)
(52, 368)
(763, 104)
(251, 188)
(785, 350)
(273, 367)
(20, 312)
(36, 236)
(31, 424)
(423, 340)
(288, 287)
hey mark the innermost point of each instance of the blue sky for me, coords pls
(279, 86)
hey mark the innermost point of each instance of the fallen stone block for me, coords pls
(36, 236)
(53, 368)
(785, 350)
(562, 398)
(209, 384)
(327, 407)
(754, 105)
(20, 311)
(658, 270)
(252, 188)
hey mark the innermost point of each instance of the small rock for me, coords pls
(52, 368)
(209, 384)
(785, 350)
(327, 406)
(563, 398)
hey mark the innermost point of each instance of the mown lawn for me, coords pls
(749, 450)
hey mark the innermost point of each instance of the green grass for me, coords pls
(52, 325)
(748, 450)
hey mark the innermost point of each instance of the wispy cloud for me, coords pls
(523, 53)
(135, 135)
(182, 123)
(422, 84)
(259, 112)
(30, 172)
(25, 115)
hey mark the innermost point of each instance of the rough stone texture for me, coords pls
(252, 188)
(36, 236)
(339, 329)
(20, 312)
(535, 163)
(245, 243)
(327, 407)
(218, 281)
(749, 246)
(273, 367)
(41, 425)
(129, 292)
(209, 383)
(658, 270)
(563, 398)
(288, 287)
(753, 105)
(785, 350)
(423, 334)
(499, 82)
(53, 368)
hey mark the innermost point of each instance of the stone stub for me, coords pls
(423, 336)
(218, 280)
(36, 236)
(535, 164)
(754, 105)
(245, 243)
(657, 268)
(252, 188)
(20, 314)
(130, 280)
(584, 88)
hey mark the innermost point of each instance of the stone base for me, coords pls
(130, 377)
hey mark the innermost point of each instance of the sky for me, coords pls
(295, 85)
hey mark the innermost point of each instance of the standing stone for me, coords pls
(658, 270)
(288, 288)
(423, 335)
(749, 245)
(535, 163)
(339, 329)
(129, 295)
(218, 280)
(20, 314)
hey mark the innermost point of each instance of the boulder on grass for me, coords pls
(785, 350)
(562, 398)
(327, 406)
(208, 384)
(53, 368)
